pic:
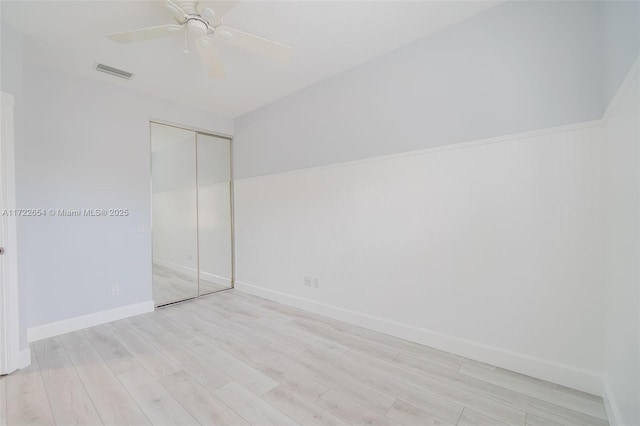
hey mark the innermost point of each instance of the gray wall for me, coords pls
(621, 43)
(621, 200)
(12, 81)
(519, 66)
(89, 148)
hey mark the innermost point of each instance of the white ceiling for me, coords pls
(328, 37)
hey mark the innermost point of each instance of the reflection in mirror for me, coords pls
(214, 213)
(174, 214)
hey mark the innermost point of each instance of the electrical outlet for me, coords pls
(315, 282)
(307, 281)
(115, 290)
(141, 227)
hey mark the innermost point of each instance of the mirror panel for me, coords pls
(174, 214)
(214, 213)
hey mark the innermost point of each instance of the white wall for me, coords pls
(522, 65)
(621, 171)
(11, 81)
(87, 145)
(489, 250)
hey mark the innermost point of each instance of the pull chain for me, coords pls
(186, 48)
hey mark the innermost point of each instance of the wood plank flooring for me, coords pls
(235, 359)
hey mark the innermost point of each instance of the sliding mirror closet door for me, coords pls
(214, 213)
(174, 214)
(191, 214)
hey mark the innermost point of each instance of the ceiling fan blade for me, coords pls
(211, 62)
(215, 10)
(177, 12)
(144, 33)
(253, 43)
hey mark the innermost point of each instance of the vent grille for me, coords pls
(114, 71)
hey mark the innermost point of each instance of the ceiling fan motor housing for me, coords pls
(197, 25)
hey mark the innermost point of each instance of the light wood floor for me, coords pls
(171, 286)
(231, 358)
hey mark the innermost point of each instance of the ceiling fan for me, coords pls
(204, 20)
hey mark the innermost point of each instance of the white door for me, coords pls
(9, 326)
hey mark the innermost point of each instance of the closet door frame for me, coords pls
(231, 201)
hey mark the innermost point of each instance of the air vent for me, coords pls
(114, 71)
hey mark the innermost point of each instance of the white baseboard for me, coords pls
(555, 372)
(78, 323)
(611, 405)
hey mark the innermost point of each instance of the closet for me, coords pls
(192, 226)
